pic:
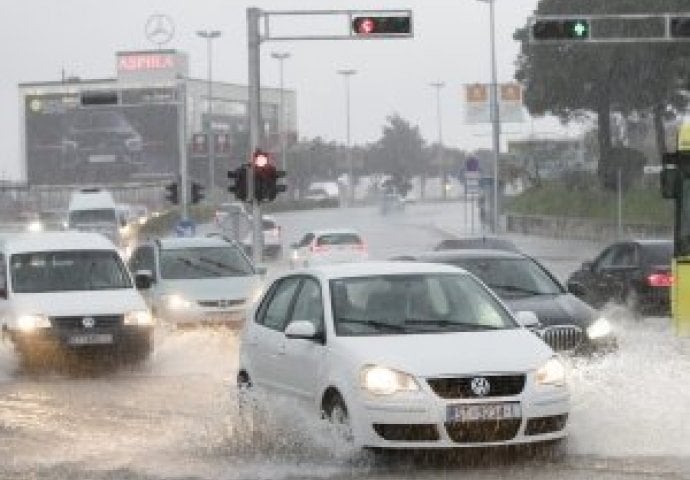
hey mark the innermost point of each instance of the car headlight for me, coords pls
(600, 328)
(35, 226)
(385, 381)
(177, 302)
(551, 373)
(138, 317)
(28, 323)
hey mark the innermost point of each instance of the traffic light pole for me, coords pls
(254, 44)
(182, 146)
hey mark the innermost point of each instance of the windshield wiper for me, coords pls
(222, 265)
(449, 323)
(515, 288)
(373, 323)
(189, 263)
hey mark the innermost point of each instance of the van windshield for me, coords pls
(58, 271)
(101, 215)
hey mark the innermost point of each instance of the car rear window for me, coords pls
(268, 224)
(658, 254)
(339, 239)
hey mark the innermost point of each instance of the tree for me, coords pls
(571, 79)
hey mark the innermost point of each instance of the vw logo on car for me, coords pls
(88, 322)
(480, 386)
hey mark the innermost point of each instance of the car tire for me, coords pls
(336, 413)
(632, 303)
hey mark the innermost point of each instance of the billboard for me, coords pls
(478, 103)
(132, 139)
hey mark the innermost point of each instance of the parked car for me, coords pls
(196, 281)
(566, 323)
(635, 273)
(328, 246)
(482, 241)
(272, 237)
(342, 340)
(68, 295)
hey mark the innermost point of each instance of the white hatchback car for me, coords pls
(196, 281)
(404, 355)
(328, 246)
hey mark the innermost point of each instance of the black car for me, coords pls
(566, 323)
(484, 242)
(634, 273)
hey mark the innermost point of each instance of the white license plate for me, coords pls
(91, 339)
(102, 158)
(483, 411)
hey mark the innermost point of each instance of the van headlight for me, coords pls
(29, 323)
(177, 302)
(600, 328)
(385, 381)
(35, 226)
(138, 317)
(551, 373)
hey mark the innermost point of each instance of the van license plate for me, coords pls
(484, 411)
(91, 339)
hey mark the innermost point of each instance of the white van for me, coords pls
(95, 210)
(70, 293)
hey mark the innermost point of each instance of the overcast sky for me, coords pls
(451, 44)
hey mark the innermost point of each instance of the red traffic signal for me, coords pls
(382, 25)
(260, 159)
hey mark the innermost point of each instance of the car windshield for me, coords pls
(102, 215)
(414, 304)
(203, 262)
(511, 277)
(339, 239)
(479, 242)
(38, 272)
(99, 121)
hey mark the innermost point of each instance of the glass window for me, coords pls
(658, 253)
(605, 260)
(306, 240)
(104, 215)
(625, 256)
(309, 305)
(143, 259)
(413, 304)
(203, 262)
(68, 270)
(339, 239)
(3, 274)
(276, 313)
(512, 276)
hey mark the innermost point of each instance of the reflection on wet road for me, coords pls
(176, 416)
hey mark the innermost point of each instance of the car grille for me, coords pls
(483, 430)
(406, 432)
(542, 425)
(77, 323)
(221, 303)
(460, 387)
(563, 337)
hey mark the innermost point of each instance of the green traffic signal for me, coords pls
(561, 29)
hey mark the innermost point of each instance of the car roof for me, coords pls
(373, 268)
(54, 241)
(656, 241)
(465, 253)
(171, 243)
(333, 231)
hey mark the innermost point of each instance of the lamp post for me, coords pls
(209, 36)
(282, 124)
(441, 158)
(347, 73)
(495, 114)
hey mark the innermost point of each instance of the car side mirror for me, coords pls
(143, 279)
(576, 289)
(527, 319)
(301, 329)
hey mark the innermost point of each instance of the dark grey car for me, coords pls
(566, 323)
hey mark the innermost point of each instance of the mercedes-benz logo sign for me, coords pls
(480, 386)
(88, 322)
(159, 29)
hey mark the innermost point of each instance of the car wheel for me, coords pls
(632, 303)
(335, 411)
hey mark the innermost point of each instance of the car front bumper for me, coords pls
(421, 421)
(230, 318)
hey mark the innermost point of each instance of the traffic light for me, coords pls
(680, 27)
(197, 193)
(381, 25)
(172, 193)
(239, 188)
(561, 29)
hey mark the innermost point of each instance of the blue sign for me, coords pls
(185, 228)
(472, 164)
(486, 182)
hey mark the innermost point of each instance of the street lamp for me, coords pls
(209, 35)
(495, 115)
(441, 158)
(347, 73)
(282, 124)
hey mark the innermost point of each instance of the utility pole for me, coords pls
(210, 35)
(255, 134)
(347, 73)
(183, 175)
(441, 157)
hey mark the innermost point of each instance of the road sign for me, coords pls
(472, 164)
(185, 228)
(472, 182)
